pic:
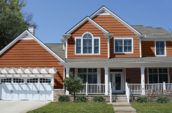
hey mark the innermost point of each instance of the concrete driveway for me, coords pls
(20, 106)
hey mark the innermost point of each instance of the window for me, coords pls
(6, 80)
(158, 75)
(88, 75)
(32, 80)
(160, 48)
(45, 80)
(123, 45)
(18, 80)
(87, 44)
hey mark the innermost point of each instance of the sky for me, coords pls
(55, 17)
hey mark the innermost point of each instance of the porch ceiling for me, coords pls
(121, 62)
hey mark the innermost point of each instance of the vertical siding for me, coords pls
(117, 29)
(169, 48)
(28, 53)
(87, 27)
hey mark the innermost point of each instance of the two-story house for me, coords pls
(108, 54)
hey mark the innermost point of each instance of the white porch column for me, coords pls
(67, 76)
(106, 80)
(142, 80)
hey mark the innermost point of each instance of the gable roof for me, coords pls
(104, 9)
(27, 35)
(83, 21)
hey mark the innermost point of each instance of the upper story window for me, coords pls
(160, 48)
(87, 44)
(123, 45)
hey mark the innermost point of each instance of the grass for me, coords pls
(72, 107)
(152, 107)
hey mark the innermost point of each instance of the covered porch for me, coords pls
(130, 77)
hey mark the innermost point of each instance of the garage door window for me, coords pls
(6, 80)
(18, 80)
(32, 80)
(45, 80)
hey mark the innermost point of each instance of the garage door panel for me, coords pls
(26, 90)
(7, 91)
(35, 91)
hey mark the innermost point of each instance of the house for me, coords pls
(108, 54)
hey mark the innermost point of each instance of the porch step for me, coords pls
(120, 98)
(121, 104)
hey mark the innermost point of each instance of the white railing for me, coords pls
(155, 88)
(135, 88)
(127, 91)
(93, 89)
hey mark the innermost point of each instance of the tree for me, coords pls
(12, 21)
(73, 85)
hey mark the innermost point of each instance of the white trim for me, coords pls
(116, 17)
(81, 38)
(83, 21)
(140, 47)
(28, 34)
(165, 53)
(108, 44)
(66, 48)
(123, 38)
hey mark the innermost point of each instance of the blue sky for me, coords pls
(54, 17)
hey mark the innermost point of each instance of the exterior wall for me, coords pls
(148, 48)
(133, 75)
(87, 27)
(28, 53)
(169, 48)
(118, 30)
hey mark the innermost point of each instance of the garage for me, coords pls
(27, 83)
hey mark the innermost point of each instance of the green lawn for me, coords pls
(71, 107)
(152, 107)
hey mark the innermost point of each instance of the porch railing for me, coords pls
(155, 88)
(93, 89)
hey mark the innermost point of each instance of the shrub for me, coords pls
(81, 99)
(73, 85)
(162, 99)
(142, 99)
(64, 98)
(98, 99)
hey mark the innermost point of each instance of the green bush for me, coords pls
(98, 99)
(162, 99)
(142, 99)
(64, 98)
(81, 99)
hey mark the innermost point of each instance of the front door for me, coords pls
(117, 85)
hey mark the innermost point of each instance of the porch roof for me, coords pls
(121, 62)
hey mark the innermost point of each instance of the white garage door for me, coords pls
(26, 89)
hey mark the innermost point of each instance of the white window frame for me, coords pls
(81, 38)
(164, 48)
(168, 72)
(124, 38)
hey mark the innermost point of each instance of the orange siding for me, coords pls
(169, 48)
(148, 49)
(28, 53)
(87, 27)
(117, 29)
